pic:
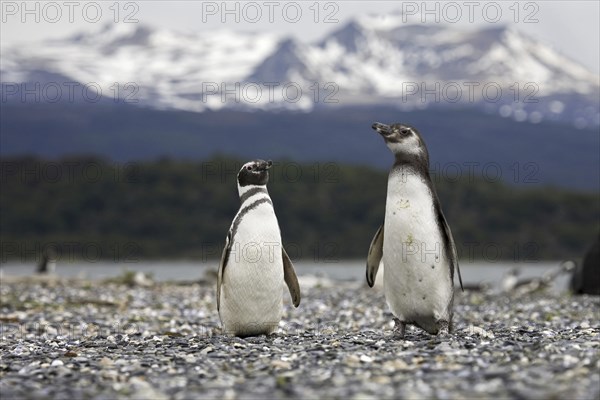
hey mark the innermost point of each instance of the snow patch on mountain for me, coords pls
(373, 59)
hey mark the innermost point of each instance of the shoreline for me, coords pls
(81, 339)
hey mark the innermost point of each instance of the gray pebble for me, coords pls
(165, 341)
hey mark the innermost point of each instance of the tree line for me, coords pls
(91, 208)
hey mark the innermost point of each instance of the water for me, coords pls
(351, 270)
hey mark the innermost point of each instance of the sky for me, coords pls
(571, 27)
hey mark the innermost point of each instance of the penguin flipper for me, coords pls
(453, 256)
(374, 257)
(291, 280)
(224, 259)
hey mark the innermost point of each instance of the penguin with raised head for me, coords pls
(415, 241)
(254, 265)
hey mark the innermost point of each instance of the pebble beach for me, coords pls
(82, 339)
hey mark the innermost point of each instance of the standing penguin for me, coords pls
(415, 241)
(254, 263)
(47, 264)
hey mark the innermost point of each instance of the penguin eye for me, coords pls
(249, 167)
(405, 131)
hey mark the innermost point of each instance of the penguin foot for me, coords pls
(399, 328)
(444, 328)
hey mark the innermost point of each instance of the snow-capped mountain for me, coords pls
(367, 61)
(166, 68)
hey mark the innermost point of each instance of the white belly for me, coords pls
(417, 280)
(252, 288)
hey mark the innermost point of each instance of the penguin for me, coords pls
(254, 265)
(415, 241)
(47, 264)
(586, 275)
(510, 280)
(482, 287)
(512, 285)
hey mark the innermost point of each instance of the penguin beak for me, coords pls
(382, 129)
(265, 166)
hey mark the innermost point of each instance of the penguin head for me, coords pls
(403, 140)
(255, 172)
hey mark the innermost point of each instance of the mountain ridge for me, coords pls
(556, 153)
(137, 93)
(412, 66)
